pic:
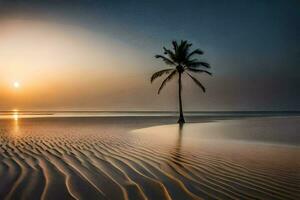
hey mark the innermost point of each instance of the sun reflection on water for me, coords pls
(16, 115)
(16, 128)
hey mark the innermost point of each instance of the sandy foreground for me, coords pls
(149, 158)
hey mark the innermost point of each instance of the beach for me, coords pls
(150, 157)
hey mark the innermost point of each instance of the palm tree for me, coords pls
(181, 60)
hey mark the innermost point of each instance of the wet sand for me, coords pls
(149, 158)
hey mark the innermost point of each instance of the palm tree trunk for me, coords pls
(181, 118)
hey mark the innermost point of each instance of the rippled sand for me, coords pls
(140, 158)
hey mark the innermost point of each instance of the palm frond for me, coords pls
(195, 64)
(166, 80)
(205, 64)
(165, 59)
(184, 45)
(182, 51)
(197, 82)
(187, 47)
(170, 53)
(195, 52)
(199, 71)
(160, 73)
(175, 45)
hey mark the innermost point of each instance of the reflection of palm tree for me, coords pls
(179, 141)
(180, 133)
(182, 60)
(177, 154)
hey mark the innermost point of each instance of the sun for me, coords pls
(16, 84)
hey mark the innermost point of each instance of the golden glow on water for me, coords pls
(15, 115)
(16, 127)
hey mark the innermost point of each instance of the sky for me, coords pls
(87, 55)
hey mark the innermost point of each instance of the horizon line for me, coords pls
(141, 111)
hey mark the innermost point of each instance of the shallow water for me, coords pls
(149, 157)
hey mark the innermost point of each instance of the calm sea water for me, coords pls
(261, 126)
(33, 114)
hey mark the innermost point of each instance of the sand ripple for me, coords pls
(66, 164)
